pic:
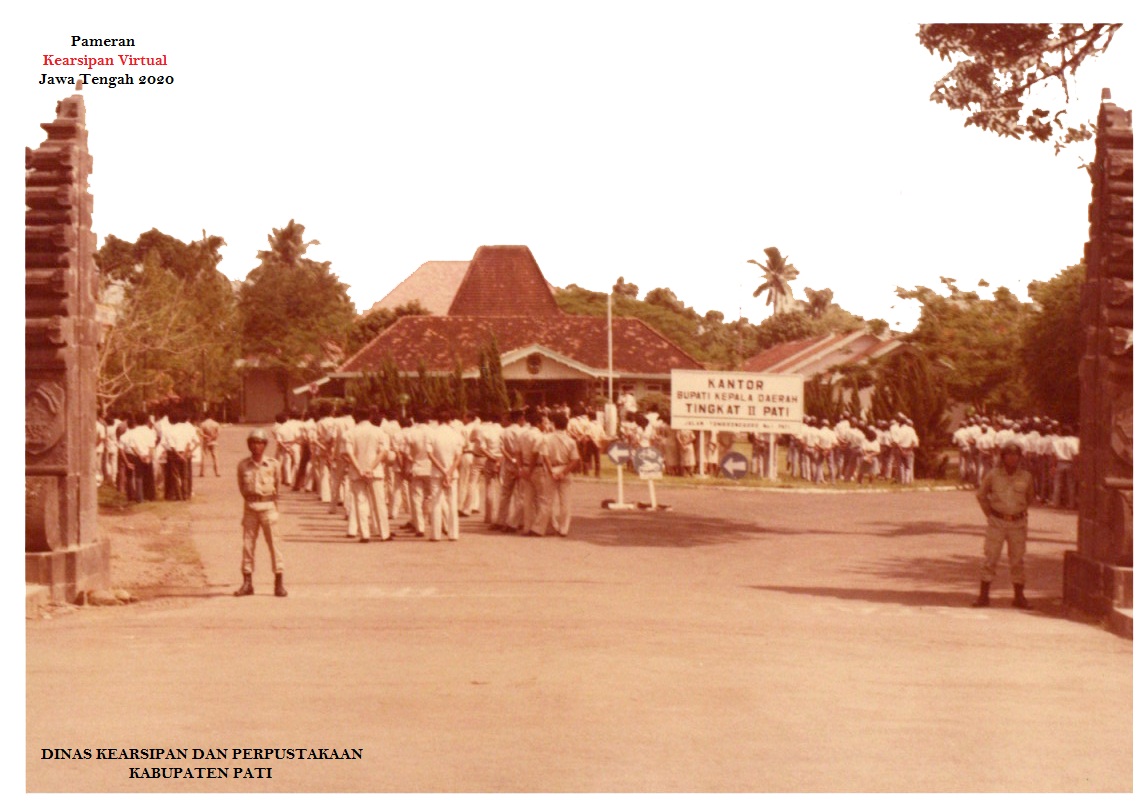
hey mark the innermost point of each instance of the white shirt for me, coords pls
(490, 439)
(445, 444)
(179, 437)
(139, 440)
(366, 442)
(826, 438)
(1066, 448)
(906, 437)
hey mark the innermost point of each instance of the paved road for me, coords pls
(744, 641)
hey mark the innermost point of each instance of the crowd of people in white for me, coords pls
(433, 467)
(1050, 453)
(436, 467)
(139, 454)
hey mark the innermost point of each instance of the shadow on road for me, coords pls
(896, 529)
(636, 528)
(944, 581)
(1044, 606)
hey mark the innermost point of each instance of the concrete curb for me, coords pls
(717, 486)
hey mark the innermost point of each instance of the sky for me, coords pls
(666, 143)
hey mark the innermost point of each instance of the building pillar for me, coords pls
(61, 546)
(1098, 575)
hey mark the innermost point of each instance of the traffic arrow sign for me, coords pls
(733, 466)
(619, 452)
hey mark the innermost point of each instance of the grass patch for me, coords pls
(111, 500)
(115, 503)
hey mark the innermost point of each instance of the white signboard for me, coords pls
(732, 400)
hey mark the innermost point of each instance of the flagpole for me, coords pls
(612, 398)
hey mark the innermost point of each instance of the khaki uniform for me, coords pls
(470, 471)
(1005, 498)
(490, 450)
(558, 454)
(259, 484)
(509, 508)
(528, 488)
(210, 430)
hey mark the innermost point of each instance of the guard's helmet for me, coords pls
(1011, 446)
(258, 435)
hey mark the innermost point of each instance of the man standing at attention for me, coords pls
(444, 450)
(366, 449)
(558, 459)
(1005, 494)
(210, 432)
(490, 450)
(508, 512)
(259, 480)
(418, 468)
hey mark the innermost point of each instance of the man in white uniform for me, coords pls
(444, 450)
(367, 449)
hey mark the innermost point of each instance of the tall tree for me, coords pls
(365, 328)
(295, 313)
(1053, 343)
(997, 65)
(664, 297)
(908, 382)
(174, 328)
(818, 301)
(623, 288)
(458, 388)
(708, 337)
(494, 399)
(777, 276)
(977, 339)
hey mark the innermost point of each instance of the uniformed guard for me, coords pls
(1005, 494)
(259, 480)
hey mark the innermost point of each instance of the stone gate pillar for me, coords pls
(1098, 576)
(61, 546)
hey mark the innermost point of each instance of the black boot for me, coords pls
(982, 601)
(246, 587)
(280, 589)
(1020, 600)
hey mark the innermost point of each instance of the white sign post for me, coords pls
(732, 400)
(620, 453)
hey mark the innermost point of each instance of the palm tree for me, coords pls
(777, 276)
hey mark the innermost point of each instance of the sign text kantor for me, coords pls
(714, 400)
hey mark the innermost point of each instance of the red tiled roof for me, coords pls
(433, 284)
(776, 354)
(638, 349)
(504, 280)
(815, 355)
(881, 349)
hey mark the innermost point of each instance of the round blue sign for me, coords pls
(649, 463)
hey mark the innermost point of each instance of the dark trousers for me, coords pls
(302, 467)
(590, 456)
(140, 481)
(175, 476)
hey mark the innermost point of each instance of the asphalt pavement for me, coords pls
(742, 641)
